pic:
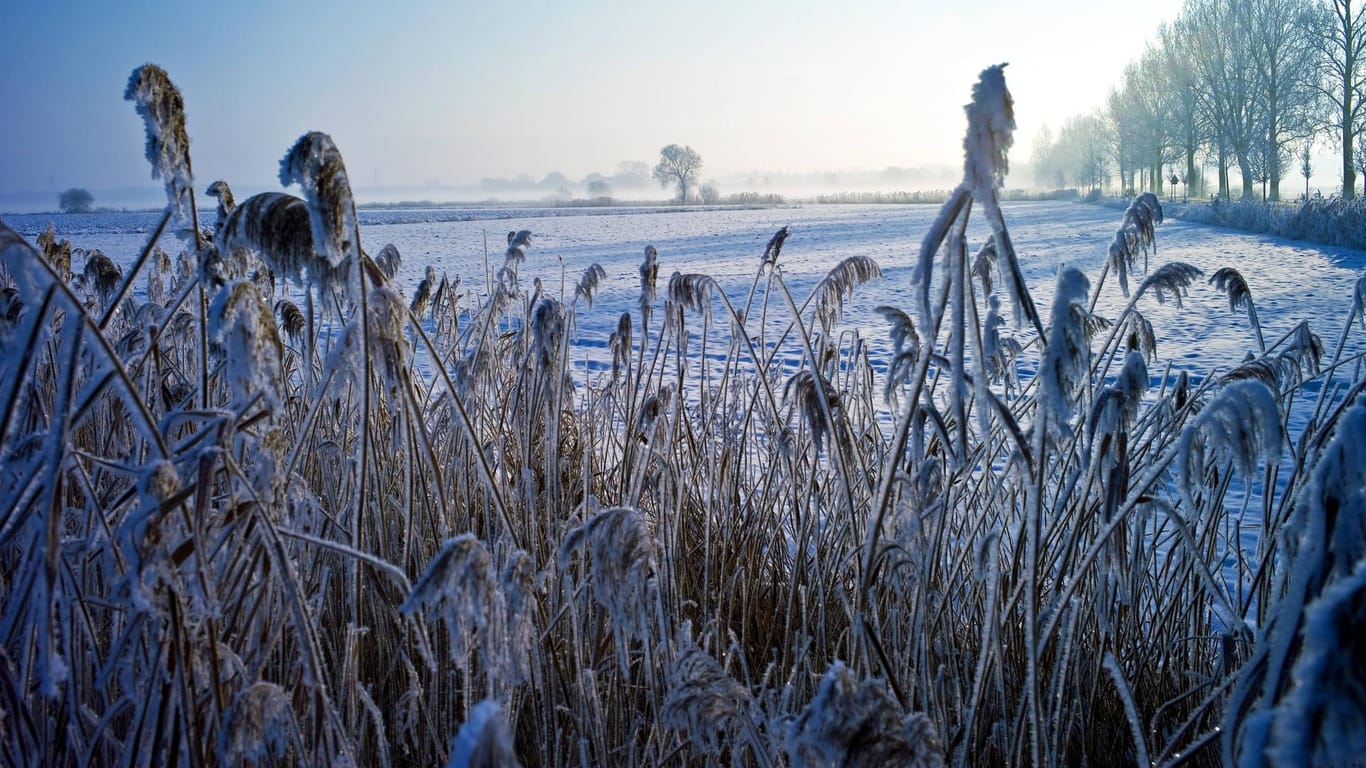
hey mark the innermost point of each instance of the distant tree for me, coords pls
(554, 180)
(711, 194)
(1338, 33)
(598, 188)
(632, 174)
(1306, 166)
(75, 200)
(679, 166)
(1221, 52)
(1043, 157)
(1283, 92)
(1265, 164)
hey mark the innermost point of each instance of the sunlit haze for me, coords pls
(428, 94)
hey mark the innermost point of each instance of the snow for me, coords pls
(1290, 281)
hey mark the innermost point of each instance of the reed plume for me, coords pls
(1065, 365)
(991, 129)
(1241, 425)
(460, 587)
(220, 191)
(159, 103)
(703, 701)
(547, 332)
(775, 246)
(241, 321)
(484, 741)
(1170, 279)
(260, 727)
(389, 260)
(693, 292)
(649, 274)
(315, 164)
(838, 285)
(624, 562)
(1322, 720)
(1230, 281)
(57, 252)
(801, 389)
(856, 723)
(102, 274)
(276, 228)
(423, 295)
(292, 320)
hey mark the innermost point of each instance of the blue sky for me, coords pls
(421, 92)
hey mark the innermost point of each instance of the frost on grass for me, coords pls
(159, 103)
(1241, 426)
(259, 727)
(858, 724)
(484, 740)
(1065, 366)
(242, 323)
(460, 588)
(1323, 720)
(703, 701)
(316, 165)
(624, 561)
(991, 127)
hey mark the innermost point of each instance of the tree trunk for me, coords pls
(1190, 169)
(1223, 173)
(1349, 175)
(1245, 168)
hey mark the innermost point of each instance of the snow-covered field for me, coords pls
(1290, 281)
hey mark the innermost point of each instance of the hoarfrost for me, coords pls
(484, 740)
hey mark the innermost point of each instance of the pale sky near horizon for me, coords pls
(421, 92)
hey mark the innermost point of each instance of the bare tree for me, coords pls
(679, 166)
(1221, 31)
(1306, 165)
(599, 189)
(1338, 32)
(1186, 131)
(1042, 157)
(1284, 95)
(710, 193)
(1086, 141)
(1138, 114)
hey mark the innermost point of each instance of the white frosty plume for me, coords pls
(1323, 720)
(459, 585)
(241, 321)
(1241, 425)
(703, 701)
(624, 561)
(1064, 367)
(162, 109)
(484, 740)
(316, 165)
(259, 725)
(858, 724)
(991, 125)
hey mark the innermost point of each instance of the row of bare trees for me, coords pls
(1245, 85)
